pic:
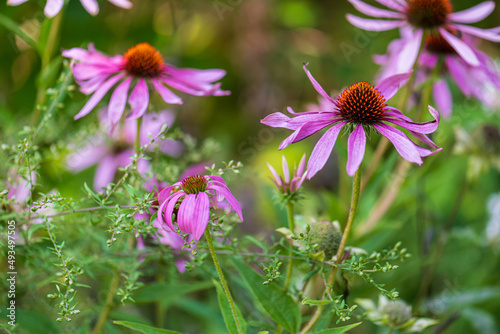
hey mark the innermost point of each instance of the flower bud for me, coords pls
(326, 235)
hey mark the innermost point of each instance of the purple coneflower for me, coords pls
(190, 200)
(429, 17)
(478, 81)
(117, 152)
(97, 73)
(286, 184)
(52, 7)
(358, 108)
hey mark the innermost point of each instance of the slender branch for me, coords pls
(222, 279)
(103, 316)
(340, 252)
(291, 225)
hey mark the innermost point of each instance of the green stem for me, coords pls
(46, 57)
(222, 279)
(138, 135)
(109, 304)
(356, 186)
(291, 225)
(391, 329)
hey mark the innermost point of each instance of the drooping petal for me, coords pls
(462, 48)
(425, 128)
(356, 145)
(53, 7)
(373, 25)
(90, 6)
(403, 145)
(167, 95)
(226, 193)
(323, 149)
(473, 14)
(139, 99)
(488, 34)
(169, 205)
(105, 172)
(389, 86)
(374, 11)
(201, 214)
(409, 54)
(118, 102)
(458, 70)
(306, 130)
(98, 95)
(442, 96)
(86, 157)
(316, 85)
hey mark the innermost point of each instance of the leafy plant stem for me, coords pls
(230, 300)
(356, 186)
(115, 282)
(138, 136)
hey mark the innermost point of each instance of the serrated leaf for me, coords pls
(277, 304)
(144, 328)
(227, 313)
(338, 330)
(163, 292)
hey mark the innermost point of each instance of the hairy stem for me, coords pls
(222, 279)
(356, 186)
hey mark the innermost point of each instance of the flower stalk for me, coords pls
(222, 279)
(356, 187)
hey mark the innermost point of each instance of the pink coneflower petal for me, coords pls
(98, 95)
(473, 14)
(488, 34)
(442, 96)
(105, 172)
(53, 7)
(121, 3)
(169, 209)
(404, 146)
(373, 25)
(392, 4)
(90, 6)
(286, 170)
(323, 149)
(165, 193)
(306, 130)
(167, 95)
(356, 145)
(459, 74)
(277, 179)
(229, 197)
(462, 48)
(139, 99)
(118, 102)
(409, 53)
(316, 85)
(86, 157)
(15, 2)
(194, 213)
(390, 86)
(374, 11)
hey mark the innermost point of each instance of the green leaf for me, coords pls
(12, 27)
(338, 330)
(168, 292)
(144, 329)
(226, 311)
(280, 306)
